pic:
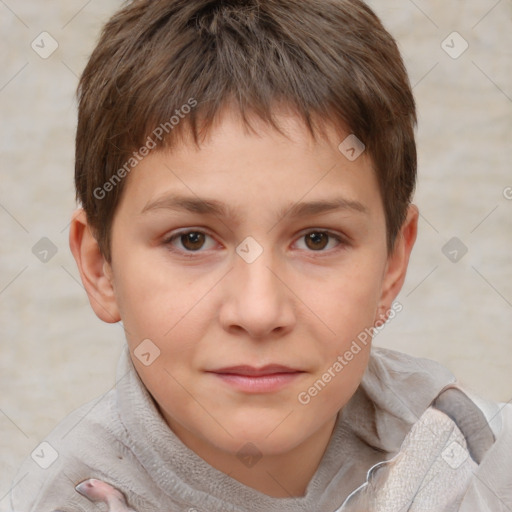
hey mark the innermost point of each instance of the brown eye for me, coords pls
(193, 240)
(190, 243)
(317, 240)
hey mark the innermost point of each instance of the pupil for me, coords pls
(193, 241)
(316, 240)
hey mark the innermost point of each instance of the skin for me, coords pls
(299, 304)
(101, 492)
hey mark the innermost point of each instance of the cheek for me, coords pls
(348, 300)
(348, 305)
(334, 386)
(163, 311)
(152, 296)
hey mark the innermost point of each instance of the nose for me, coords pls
(257, 299)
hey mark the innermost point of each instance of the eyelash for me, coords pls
(341, 242)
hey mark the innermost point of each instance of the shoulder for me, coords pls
(395, 391)
(91, 439)
(406, 386)
(480, 429)
(491, 485)
(448, 449)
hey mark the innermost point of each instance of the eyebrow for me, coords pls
(217, 208)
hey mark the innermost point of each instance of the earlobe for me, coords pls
(398, 261)
(95, 271)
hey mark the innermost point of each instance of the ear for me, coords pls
(95, 271)
(398, 261)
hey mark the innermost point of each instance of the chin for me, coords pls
(266, 435)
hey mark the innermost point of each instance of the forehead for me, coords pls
(236, 168)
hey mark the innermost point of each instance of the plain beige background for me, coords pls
(56, 355)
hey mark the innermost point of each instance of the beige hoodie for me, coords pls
(429, 445)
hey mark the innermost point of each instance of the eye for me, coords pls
(319, 241)
(190, 241)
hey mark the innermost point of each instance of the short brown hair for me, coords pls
(327, 60)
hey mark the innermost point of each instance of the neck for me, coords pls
(282, 475)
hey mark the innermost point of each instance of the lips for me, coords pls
(257, 380)
(250, 371)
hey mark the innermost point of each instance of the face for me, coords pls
(252, 264)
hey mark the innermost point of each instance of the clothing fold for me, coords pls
(403, 442)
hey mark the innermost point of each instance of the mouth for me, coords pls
(266, 379)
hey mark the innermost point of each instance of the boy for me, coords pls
(246, 170)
